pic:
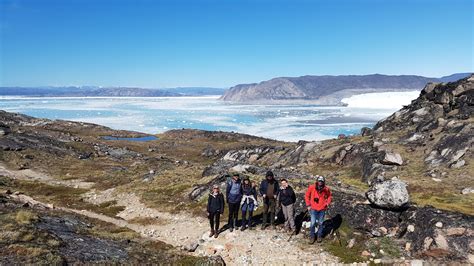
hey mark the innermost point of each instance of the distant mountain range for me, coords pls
(327, 90)
(92, 91)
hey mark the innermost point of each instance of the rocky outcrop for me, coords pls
(439, 118)
(424, 230)
(257, 160)
(392, 158)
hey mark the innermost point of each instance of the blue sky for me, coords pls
(221, 43)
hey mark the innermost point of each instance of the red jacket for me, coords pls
(318, 200)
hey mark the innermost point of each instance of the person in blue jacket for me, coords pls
(234, 196)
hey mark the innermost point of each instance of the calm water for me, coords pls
(156, 115)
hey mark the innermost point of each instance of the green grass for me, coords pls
(338, 246)
(5, 181)
(387, 245)
(446, 201)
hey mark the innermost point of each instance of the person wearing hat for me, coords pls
(234, 196)
(215, 207)
(317, 198)
(269, 191)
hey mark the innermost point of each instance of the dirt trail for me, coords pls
(31, 175)
(268, 247)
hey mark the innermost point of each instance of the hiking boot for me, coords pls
(216, 235)
(243, 228)
(264, 226)
(274, 227)
(231, 229)
(312, 240)
(212, 233)
(319, 240)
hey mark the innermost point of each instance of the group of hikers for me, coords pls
(242, 195)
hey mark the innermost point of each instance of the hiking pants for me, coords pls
(289, 212)
(233, 214)
(317, 217)
(269, 206)
(214, 218)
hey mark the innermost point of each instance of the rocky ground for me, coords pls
(403, 190)
(36, 233)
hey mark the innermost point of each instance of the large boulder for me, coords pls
(392, 158)
(391, 194)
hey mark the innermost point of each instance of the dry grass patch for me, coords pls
(25, 217)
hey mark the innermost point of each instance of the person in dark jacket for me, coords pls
(248, 203)
(269, 192)
(215, 207)
(287, 199)
(234, 196)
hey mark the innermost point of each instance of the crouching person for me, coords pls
(248, 203)
(318, 198)
(287, 199)
(215, 207)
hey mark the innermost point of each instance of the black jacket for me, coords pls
(215, 204)
(264, 185)
(249, 190)
(287, 196)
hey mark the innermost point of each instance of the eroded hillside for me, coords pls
(427, 145)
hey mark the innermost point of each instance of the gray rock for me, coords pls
(392, 158)
(467, 190)
(351, 243)
(458, 164)
(427, 243)
(391, 194)
(240, 168)
(191, 247)
(376, 233)
(441, 242)
(340, 156)
(421, 112)
(429, 87)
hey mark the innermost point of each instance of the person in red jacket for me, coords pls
(318, 198)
